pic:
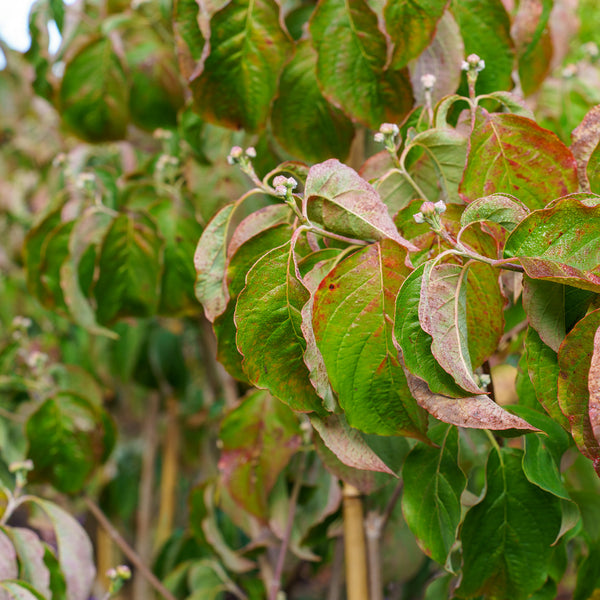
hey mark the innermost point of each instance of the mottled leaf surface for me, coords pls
(9, 568)
(594, 387)
(433, 484)
(353, 322)
(478, 412)
(506, 155)
(586, 138)
(259, 437)
(415, 343)
(237, 81)
(506, 538)
(560, 243)
(443, 315)
(336, 196)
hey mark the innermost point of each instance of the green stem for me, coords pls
(402, 168)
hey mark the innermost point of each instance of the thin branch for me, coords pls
(389, 508)
(285, 542)
(127, 550)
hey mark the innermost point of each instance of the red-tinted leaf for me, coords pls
(594, 387)
(508, 152)
(574, 361)
(353, 321)
(586, 138)
(411, 26)
(443, 315)
(348, 444)
(561, 243)
(593, 170)
(479, 412)
(336, 196)
(8, 558)
(259, 437)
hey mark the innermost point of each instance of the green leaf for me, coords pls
(336, 196)
(542, 366)
(433, 484)
(414, 343)
(549, 305)
(447, 151)
(66, 440)
(479, 412)
(130, 269)
(75, 553)
(485, 29)
(560, 243)
(411, 26)
(443, 315)
(94, 93)
(88, 231)
(506, 538)
(33, 251)
(259, 437)
(237, 81)
(588, 575)
(503, 209)
(156, 93)
(180, 230)
(303, 122)
(507, 153)
(594, 387)
(268, 321)
(353, 322)
(574, 361)
(188, 37)
(54, 252)
(352, 56)
(239, 263)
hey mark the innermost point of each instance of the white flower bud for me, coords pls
(234, 155)
(292, 183)
(281, 190)
(440, 207)
(428, 80)
(419, 218)
(569, 71)
(389, 129)
(279, 180)
(251, 152)
(591, 48)
(379, 137)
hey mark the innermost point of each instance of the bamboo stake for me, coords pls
(357, 581)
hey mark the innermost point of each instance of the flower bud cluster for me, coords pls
(20, 325)
(283, 185)
(238, 155)
(387, 133)
(428, 80)
(473, 64)
(117, 577)
(430, 213)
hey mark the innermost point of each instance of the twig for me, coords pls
(127, 550)
(143, 541)
(287, 534)
(337, 571)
